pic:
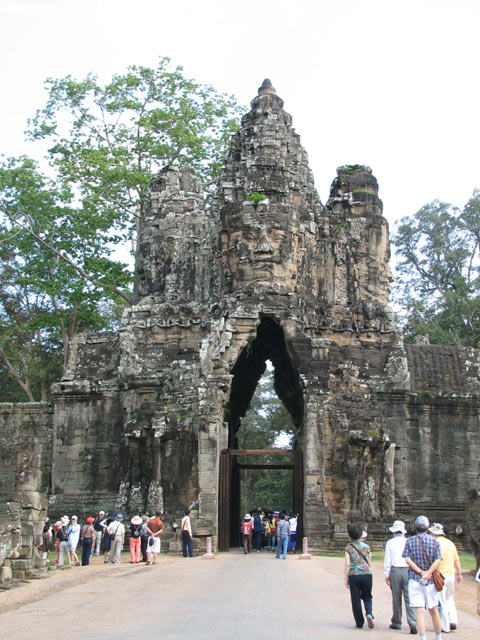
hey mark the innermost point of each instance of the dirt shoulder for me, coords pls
(29, 591)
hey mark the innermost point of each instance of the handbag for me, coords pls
(438, 578)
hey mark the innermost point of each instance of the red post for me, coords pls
(209, 555)
(305, 555)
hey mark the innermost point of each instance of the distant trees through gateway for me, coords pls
(266, 425)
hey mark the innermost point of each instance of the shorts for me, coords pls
(155, 547)
(422, 595)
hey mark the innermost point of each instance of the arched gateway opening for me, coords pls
(268, 344)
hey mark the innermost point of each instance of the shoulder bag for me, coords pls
(438, 578)
(360, 553)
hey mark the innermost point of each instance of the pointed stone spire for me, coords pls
(266, 87)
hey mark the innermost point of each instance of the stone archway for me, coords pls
(268, 344)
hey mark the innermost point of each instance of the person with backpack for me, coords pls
(247, 526)
(358, 576)
(62, 537)
(135, 539)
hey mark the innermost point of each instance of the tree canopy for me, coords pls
(439, 273)
(66, 233)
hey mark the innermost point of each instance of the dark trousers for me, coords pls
(257, 540)
(143, 548)
(187, 544)
(361, 589)
(86, 551)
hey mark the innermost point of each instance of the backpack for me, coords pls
(62, 535)
(136, 529)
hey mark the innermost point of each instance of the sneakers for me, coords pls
(370, 621)
(394, 626)
(413, 630)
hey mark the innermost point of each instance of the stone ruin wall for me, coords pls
(25, 456)
(141, 417)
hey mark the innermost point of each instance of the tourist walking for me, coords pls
(73, 538)
(62, 537)
(257, 531)
(107, 541)
(270, 530)
(421, 588)
(283, 535)
(451, 569)
(116, 531)
(186, 534)
(358, 576)
(396, 576)
(99, 526)
(46, 538)
(247, 526)
(292, 542)
(135, 539)
(144, 538)
(87, 539)
(155, 529)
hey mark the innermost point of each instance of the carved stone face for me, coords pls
(254, 248)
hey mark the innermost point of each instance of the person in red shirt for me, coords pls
(154, 529)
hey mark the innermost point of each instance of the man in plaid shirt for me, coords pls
(421, 588)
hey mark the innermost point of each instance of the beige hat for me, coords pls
(247, 516)
(136, 520)
(437, 529)
(398, 527)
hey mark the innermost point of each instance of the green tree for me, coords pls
(109, 140)
(439, 277)
(55, 276)
(60, 237)
(265, 422)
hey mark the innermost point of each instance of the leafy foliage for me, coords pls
(439, 282)
(44, 300)
(109, 140)
(60, 237)
(266, 421)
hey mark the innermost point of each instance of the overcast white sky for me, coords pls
(391, 84)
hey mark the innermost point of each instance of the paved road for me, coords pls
(232, 596)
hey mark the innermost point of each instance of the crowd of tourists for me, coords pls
(278, 529)
(106, 533)
(421, 569)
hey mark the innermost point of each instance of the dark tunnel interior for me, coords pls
(268, 344)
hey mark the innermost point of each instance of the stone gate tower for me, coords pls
(145, 415)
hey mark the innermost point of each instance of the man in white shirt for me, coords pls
(116, 531)
(396, 576)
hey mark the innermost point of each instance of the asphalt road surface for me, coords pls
(233, 596)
